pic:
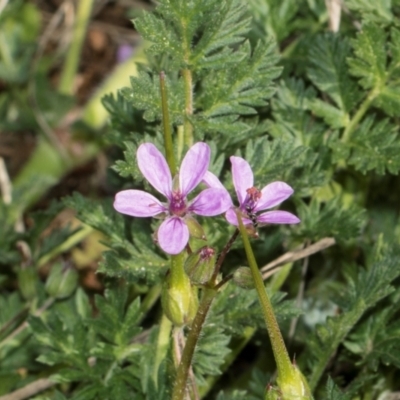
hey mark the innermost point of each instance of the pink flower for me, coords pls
(173, 233)
(252, 201)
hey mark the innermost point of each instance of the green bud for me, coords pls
(200, 265)
(294, 386)
(27, 282)
(243, 278)
(178, 300)
(62, 281)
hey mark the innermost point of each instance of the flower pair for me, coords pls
(173, 233)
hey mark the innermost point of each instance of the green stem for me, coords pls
(164, 334)
(359, 114)
(193, 336)
(149, 300)
(223, 254)
(74, 239)
(71, 64)
(283, 363)
(169, 149)
(188, 128)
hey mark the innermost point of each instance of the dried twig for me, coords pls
(29, 390)
(334, 8)
(6, 193)
(300, 295)
(5, 183)
(25, 324)
(3, 4)
(295, 255)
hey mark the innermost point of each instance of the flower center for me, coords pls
(177, 205)
(253, 195)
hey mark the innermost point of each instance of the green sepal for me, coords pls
(200, 265)
(195, 229)
(294, 386)
(178, 300)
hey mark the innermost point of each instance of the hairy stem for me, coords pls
(359, 114)
(281, 355)
(223, 254)
(193, 336)
(66, 85)
(169, 149)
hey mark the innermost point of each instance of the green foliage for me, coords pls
(212, 347)
(375, 69)
(274, 18)
(372, 344)
(333, 392)
(375, 11)
(329, 71)
(235, 395)
(285, 161)
(364, 291)
(18, 38)
(330, 219)
(96, 351)
(373, 146)
(220, 25)
(235, 78)
(370, 62)
(328, 127)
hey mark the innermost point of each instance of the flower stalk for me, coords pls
(84, 11)
(290, 380)
(281, 355)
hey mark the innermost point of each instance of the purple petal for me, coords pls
(154, 168)
(193, 167)
(277, 217)
(137, 203)
(212, 181)
(272, 195)
(124, 52)
(242, 176)
(173, 235)
(211, 202)
(230, 216)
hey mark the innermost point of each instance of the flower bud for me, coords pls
(178, 300)
(243, 278)
(62, 281)
(27, 281)
(294, 386)
(200, 265)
